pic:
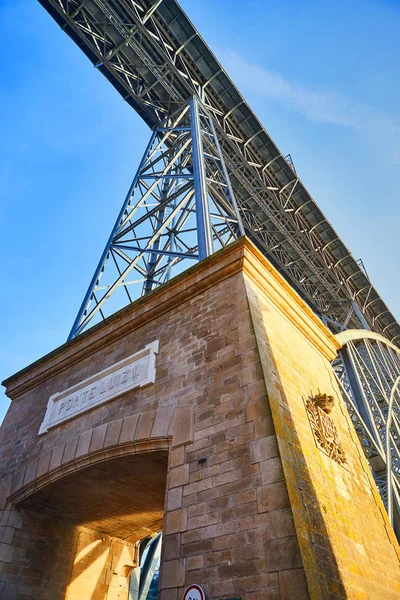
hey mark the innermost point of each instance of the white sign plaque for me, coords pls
(135, 371)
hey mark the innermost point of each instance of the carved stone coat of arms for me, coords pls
(325, 433)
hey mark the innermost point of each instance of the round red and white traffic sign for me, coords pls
(194, 592)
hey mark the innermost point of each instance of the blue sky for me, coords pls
(321, 75)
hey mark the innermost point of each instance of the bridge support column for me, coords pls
(208, 409)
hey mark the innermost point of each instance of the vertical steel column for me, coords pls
(148, 284)
(228, 181)
(149, 566)
(389, 476)
(204, 234)
(361, 316)
(359, 398)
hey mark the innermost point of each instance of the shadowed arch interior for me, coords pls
(122, 497)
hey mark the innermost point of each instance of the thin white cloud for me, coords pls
(316, 104)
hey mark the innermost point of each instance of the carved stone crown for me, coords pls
(325, 402)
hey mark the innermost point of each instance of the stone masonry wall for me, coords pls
(229, 525)
(348, 547)
(48, 560)
(101, 567)
(228, 522)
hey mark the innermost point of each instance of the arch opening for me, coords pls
(88, 527)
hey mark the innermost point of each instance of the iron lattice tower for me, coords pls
(179, 208)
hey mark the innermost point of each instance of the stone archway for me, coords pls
(93, 516)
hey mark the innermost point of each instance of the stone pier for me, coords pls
(203, 409)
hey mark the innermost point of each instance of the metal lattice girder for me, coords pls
(155, 58)
(150, 565)
(368, 370)
(179, 208)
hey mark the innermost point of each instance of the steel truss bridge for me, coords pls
(210, 174)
